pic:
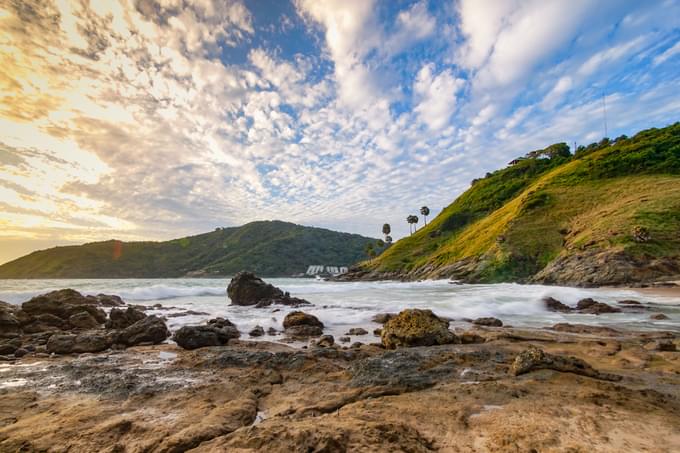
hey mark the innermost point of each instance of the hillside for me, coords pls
(608, 215)
(267, 248)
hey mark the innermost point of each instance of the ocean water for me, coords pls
(341, 306)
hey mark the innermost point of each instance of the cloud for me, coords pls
(667, 54)
(436, 95)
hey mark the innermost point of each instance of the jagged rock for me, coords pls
(344, 339)
(416, 327)
(41, 312)
(257, 331)
(20, 352)
(120, 319)
(555, 305)
(382, 318)
(357, 331)
(150, 330)
(659, 317)
(43, 323)
(590, 306)
(490, 322)
(217, 332)
(272, 331)
(248, 289)
(533, 359)
(107, 300)
(83, 320)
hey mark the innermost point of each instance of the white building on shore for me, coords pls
(319, 269)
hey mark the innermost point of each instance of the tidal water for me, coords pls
(341, 306)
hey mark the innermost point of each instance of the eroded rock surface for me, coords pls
(416, 327)
(534, 359)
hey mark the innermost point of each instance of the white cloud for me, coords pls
(667, 54)
(563, 85)
(436, 95)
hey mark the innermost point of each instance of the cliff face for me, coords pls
(608, 215)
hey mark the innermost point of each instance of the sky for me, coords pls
(155, 119)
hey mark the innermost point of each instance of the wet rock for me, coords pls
(357, 331)
(83, 320)
(584, 328)
(44, 323)
(665, 346)
(377, 332)
(382, 318)
(356, 345)
(533, 359)
(300, 318)
(471, 338)
(555, 305)
(257, 331)
(326, 341)
(120, 319)
(55, 309)
(248, 289)
(629, 302)
(489, 322)
(107, 300)
(416, 327)
(217, 332)
(84, 342)
(590, 306)
(302, 332)
(20, 352)
(344, 339)
(659, 317)
(150, 330)
(7, 349)
(272, 331)
(9, 324)
(186, 313)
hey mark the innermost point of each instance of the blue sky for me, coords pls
(159, 118)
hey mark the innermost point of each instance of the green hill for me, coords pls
(266, 248)
(610, 214)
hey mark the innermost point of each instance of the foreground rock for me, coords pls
(298, 324)
(415, 327)
(248, 289)
(534, 359)
(489, 322)
(217, 332)
(258, 396)
(120, 319)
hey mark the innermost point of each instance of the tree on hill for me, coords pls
(412, 220)
(386, 229)
(425, 211)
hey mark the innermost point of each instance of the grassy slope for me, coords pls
(543, 208)
(268, 248)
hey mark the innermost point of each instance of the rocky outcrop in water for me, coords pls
(298, 324)
(489, 322)
(120, 319)
(248, 289)
(415, 327)
(586, 306)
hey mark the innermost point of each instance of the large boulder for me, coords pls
(248, 289)
(150, 330)
(120, 319)
(416, 327)
(489, 322)
(298, 324)
(76, 344)
(217, 332)
(40, 313)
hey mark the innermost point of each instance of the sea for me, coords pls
(343, 305)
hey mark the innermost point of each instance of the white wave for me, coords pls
(160, 292)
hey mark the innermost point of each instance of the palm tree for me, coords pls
(415, 223)
(425, 211)
(412, 220)
(387, 229)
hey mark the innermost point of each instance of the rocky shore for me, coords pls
(414, 385)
